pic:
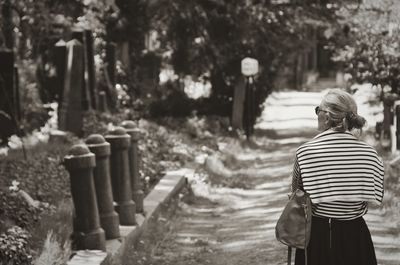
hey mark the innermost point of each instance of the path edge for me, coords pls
(166, 189)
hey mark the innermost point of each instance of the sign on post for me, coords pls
(249, 66)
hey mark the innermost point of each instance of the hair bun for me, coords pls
(350, 116)
(355, 121)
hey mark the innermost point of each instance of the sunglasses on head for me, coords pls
(318, 110)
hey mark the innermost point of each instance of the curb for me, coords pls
(166, 188)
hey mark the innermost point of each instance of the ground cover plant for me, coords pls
(39, 232)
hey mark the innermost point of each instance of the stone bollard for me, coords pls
(87, 231)
(138, 194)
(121, 184)
(109, 219)
(102, 106)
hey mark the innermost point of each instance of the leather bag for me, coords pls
(294, 225)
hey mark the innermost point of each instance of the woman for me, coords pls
(341, 174)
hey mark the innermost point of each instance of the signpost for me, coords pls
(249, 67)
(244, 112)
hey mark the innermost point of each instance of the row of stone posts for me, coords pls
(105, 185)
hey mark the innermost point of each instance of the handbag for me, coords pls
(294, 225)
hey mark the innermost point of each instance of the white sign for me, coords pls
(249, 66)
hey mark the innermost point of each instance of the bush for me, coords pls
(99, 122)
(369, 52)
(14, 247)
(15, 211)
(170, 100)
(34, 115)
(41, 174)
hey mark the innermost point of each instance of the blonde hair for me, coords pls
(342, 111)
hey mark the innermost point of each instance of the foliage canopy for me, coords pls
(211, 37)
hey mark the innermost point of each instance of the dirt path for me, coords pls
(231, 215)
(230, 219)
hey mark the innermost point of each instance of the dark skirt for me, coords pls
(340, 243)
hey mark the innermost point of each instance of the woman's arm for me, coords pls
(296, 176)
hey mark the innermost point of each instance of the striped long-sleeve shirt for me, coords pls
(340, 173)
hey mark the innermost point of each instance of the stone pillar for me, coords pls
(109, 219)
(87, 231)
(70, 112)
(102, 106)
(91, 67)
(60, 61)
(111, 59)
(138, 194)
(238, 103)
(121, 185)
(80, 35)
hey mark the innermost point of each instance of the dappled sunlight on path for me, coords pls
(298, 111)
(235, 224)
(230, 217)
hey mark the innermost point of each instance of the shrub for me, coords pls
(170, 100)
(14, 247)
(369, 52)
(41, 174)
(15, 211)
(33, 113)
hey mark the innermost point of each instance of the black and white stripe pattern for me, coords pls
(340, 173)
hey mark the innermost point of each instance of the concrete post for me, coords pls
(70, 116)
(91, 67)
(60, 61)
(80, 35)
(138, 194)
(87, 231)
(109, 219)
(111, 59)
(102, 106)
(121, 185)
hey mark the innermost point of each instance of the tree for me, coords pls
(369, 52)
(211, 37)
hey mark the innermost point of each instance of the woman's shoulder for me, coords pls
(334, 138)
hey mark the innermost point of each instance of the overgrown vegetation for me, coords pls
(208, 39)
(163, 147)
(369, 51)
(202, 39)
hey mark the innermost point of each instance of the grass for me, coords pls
(53, 252)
